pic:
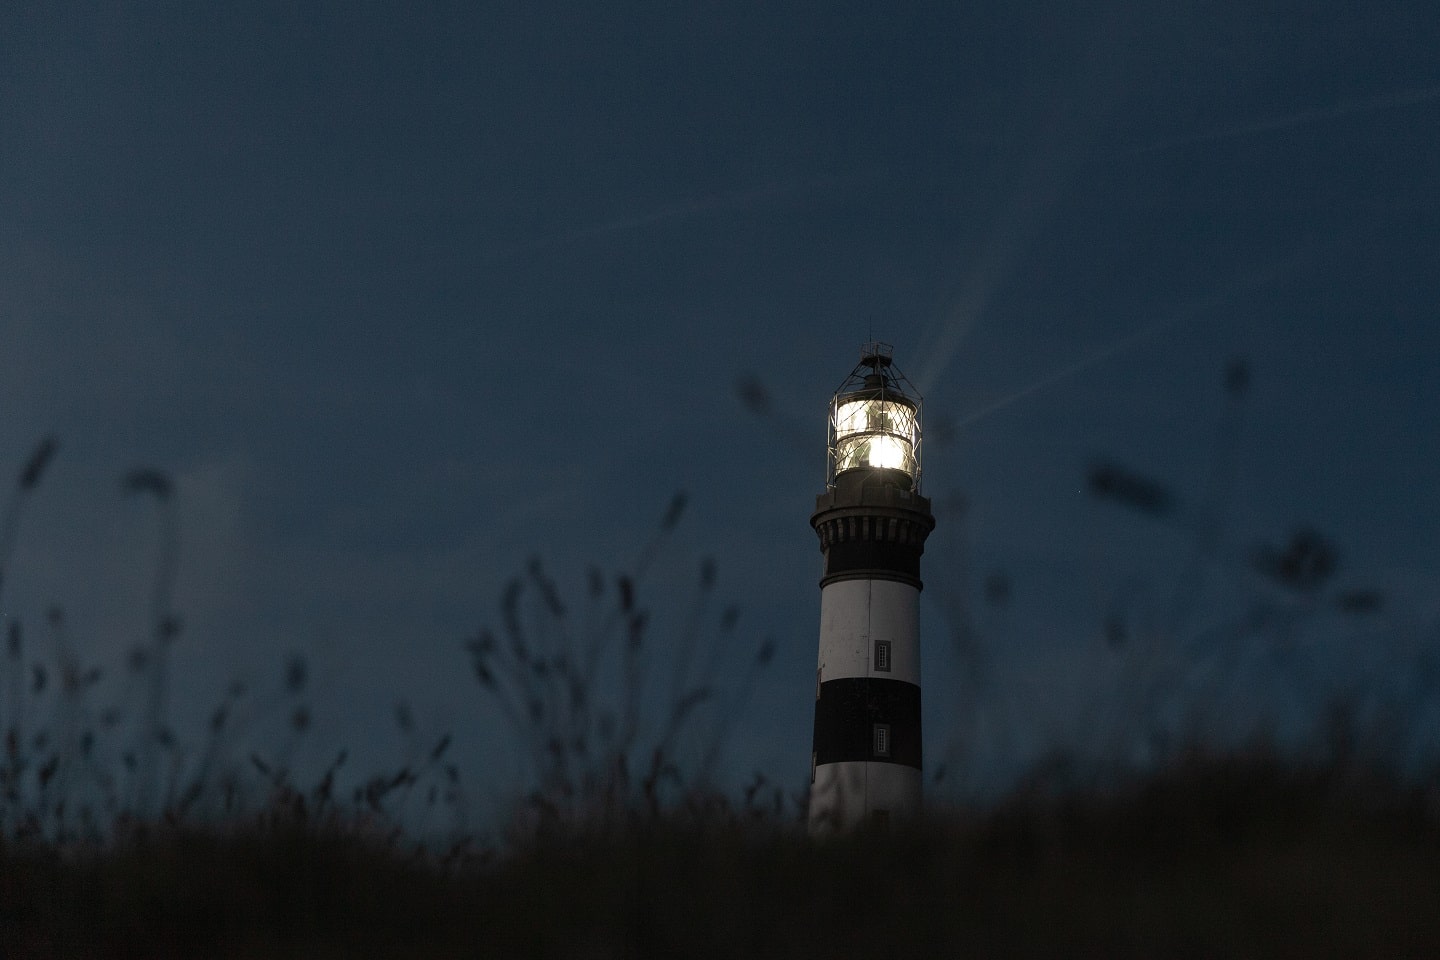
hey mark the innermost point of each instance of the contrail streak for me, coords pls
(1315, 115)
(1344, 108)
(1019, 223)
(1065, 142)
(1085, 362)
(1183, 314)
(734, 200)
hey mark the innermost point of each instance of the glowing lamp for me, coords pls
(875, 420)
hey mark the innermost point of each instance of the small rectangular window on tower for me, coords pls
(813, 757)
(882, 740)
(819, 671)
(882, 655)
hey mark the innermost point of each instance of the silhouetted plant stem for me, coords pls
(155, 734)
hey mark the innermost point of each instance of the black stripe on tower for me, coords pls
(849, 710)
(871, 528)
(860, 559)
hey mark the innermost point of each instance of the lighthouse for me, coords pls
(865, 762)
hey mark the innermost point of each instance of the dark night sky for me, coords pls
(403, 294)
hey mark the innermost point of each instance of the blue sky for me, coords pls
(401, 296)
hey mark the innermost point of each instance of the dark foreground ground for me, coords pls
(1219, 858)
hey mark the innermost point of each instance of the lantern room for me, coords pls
(875, 421)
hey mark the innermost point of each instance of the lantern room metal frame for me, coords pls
(875, 379)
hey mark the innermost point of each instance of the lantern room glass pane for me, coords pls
(874, 451)
(875, 432)
(875, 416)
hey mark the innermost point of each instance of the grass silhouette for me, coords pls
(1236, 855)
(622, 845)
(582, 696)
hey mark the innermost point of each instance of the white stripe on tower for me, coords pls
(867, 626)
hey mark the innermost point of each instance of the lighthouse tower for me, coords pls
(872, 523)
